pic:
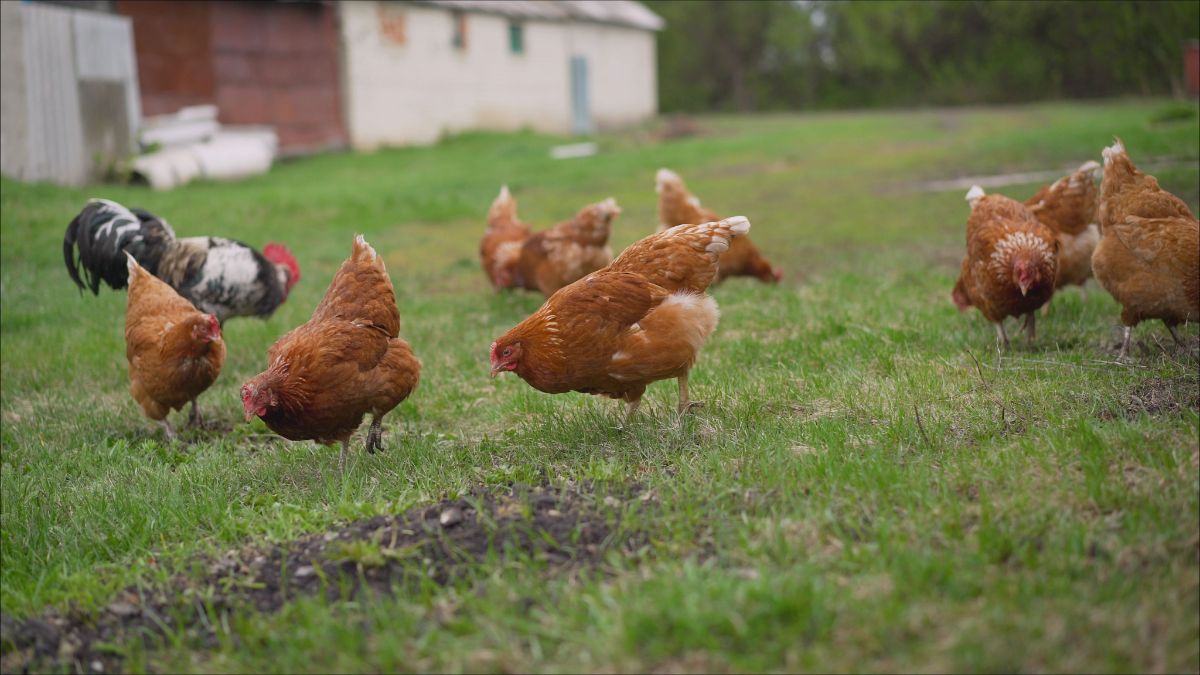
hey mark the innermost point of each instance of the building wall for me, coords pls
(174, 49)
(622, 67)
(277, 64)
(261, 63)
(405, 82)
(70, 100)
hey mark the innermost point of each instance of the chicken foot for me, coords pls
(685, 405)
(630, 408)
(166, 427)
(195, 419)
(375, 435)
(1175, 334)
(1001, 336)
(1031, 326)
(1125, 342)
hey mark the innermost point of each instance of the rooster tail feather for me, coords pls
(95, 239)
(72, 260)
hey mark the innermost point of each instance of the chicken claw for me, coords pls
(195, 419)
(630, 408)
(1031, 325)
(1125, 342)
(685, 405)
(375, 435)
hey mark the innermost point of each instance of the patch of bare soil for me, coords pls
(558, 527)
(1161, 396)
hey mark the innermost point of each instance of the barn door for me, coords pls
(581, 114)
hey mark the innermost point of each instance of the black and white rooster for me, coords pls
(222, 277)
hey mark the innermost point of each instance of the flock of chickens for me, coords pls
(609, 327)
(1141, 242)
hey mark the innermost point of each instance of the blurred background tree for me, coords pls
(776, 54)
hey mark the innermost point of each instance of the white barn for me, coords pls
(413, 71)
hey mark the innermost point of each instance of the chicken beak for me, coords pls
(496, 370)
(249, 416)
(1024, 290)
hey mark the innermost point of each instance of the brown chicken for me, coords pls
(568, 251)
(1068, 207)
(641, 319)
(1149, 253)
(1011, 262)
(500, 248)
(677, 206)
(347, 361)
(175, 351)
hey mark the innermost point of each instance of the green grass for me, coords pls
(870, 486)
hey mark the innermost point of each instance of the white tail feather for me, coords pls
(974, 195)
(663, 177)
(1117, 148)
(737, 224)
(360, 241)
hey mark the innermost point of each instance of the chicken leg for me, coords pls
(166, 427)
(342, 457)
(1125, 342)
(630, 408)
(1175, 334)
(686, 405)
(1001, 336)
(375, 435)
(1031, 326)
(195, 418)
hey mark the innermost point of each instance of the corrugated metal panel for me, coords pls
(71, 76)
(104, 51)
(55, 127)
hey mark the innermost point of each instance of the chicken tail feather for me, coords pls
(96, 238)
(974, 195)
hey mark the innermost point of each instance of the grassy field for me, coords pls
(871, 486)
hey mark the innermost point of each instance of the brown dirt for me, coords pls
(1162, 396)
(559, 527)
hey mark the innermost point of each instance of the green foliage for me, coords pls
(870, 486)
(717, 55)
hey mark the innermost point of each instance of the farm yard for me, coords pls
(870, 485)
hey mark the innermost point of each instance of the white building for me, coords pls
(413, 71)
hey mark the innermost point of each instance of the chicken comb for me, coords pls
(280, 255)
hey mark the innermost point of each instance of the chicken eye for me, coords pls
(507, 351)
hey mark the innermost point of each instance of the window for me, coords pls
(516, 38)
(459, 39)
(392, 25)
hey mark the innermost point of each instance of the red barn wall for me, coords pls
(259, 62)
(171, 41)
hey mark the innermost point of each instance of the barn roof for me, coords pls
(614, 12)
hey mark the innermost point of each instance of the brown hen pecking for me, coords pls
(1149, 252)
(641, 319)
(346, 361)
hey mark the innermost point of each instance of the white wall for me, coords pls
(414, 92)
(69, 92)
(622, 72)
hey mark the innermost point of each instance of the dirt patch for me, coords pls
(556, 527)
(1161, 396)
